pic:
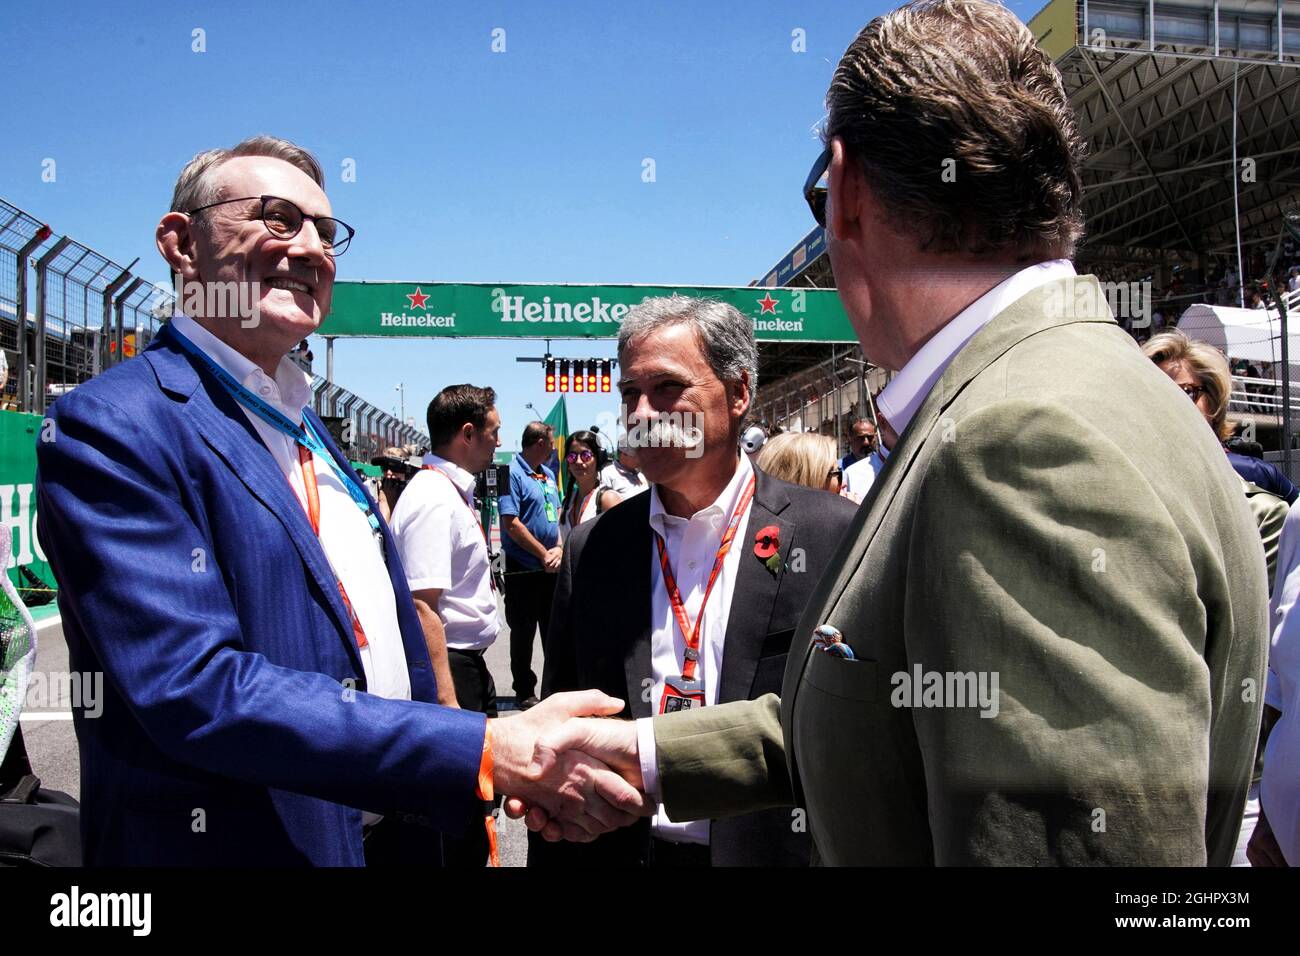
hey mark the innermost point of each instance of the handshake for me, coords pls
(568, 770)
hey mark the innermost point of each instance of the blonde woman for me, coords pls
(802, 459)
(1202, 372)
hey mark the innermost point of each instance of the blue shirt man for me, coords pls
(534, 498)
(530, 537)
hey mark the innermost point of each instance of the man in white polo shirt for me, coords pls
(445, 553)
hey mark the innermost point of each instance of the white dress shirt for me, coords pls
(345, 535)
(861, 475)
(692, 546)
(903, 396)
(1279, 789)
(441, 544)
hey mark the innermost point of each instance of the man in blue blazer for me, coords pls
(268, 693)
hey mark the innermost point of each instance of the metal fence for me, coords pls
(68, 312)
(362, 430)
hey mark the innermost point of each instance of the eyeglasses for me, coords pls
(284, 220)
(815, 194)
(1194, 392)
(583, 456)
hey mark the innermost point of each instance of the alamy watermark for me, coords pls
(946, 689)
(1083, 295)
(53, 695)
(217, 300)
(665, 430)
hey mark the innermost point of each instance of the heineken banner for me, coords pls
(26, 562)
(491, 310)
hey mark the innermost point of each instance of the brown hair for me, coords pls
(535, 432)
(961, 86)
(453, 407)
(1206, 362)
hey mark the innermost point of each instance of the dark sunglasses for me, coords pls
(583, 456)
(815, 194)
(283, 219)
(1194, 392)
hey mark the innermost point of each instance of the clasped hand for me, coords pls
(571, 775)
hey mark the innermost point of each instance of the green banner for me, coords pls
(26, 564)
(488, 310)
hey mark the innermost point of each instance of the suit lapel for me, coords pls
(1027, 316)
(225, 428)
(635, 559)
(755, 592)
(1034, 312)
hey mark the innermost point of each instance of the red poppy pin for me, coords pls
(767, 548)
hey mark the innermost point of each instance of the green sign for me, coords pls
(26, 564)
(488, 310)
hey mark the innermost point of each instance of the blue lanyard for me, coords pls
(305, 436)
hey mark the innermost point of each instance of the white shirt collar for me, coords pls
(461, 478)
(289, 391)
(721, 509)
(904, 395)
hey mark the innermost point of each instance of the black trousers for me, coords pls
(476, 691)
(528, 609)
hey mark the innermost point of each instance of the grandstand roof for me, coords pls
(1156, 109)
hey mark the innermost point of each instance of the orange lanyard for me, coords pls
(473, 514)
(692, 634)
(313, 514)
(575, 520)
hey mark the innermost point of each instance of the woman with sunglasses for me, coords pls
(1202, 372)
(584, 496)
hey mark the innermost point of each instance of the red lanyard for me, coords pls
(692, 634)
(478, 524)
(313, 514)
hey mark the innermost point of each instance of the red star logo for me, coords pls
(417, 298)
(768, 303)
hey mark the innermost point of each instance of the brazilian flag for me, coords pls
(558, 419)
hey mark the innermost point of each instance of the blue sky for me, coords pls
(521, 166)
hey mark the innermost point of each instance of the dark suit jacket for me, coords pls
(600, 637)
(191, 578)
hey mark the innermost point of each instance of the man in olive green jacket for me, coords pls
(1103, 564)
(1054, 597)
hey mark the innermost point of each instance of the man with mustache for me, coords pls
(1053, 518)
(687, 597)
(270, 699)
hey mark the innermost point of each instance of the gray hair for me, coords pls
(196, 187)
(726, 333)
